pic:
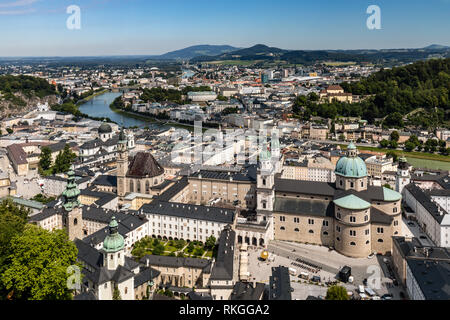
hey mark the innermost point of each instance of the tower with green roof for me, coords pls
(72, 215)
(113, 247)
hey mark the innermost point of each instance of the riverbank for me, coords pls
(92, 96)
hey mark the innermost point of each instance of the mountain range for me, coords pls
(196, 51)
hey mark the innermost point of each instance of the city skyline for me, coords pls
(39, 28)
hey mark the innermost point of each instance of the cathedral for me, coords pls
(351, 216)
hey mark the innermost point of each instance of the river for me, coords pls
(99, 107)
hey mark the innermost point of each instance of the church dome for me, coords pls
(104, 128)
(114, 240)
(351, 165)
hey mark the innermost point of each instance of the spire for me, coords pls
(122, 136)
(71, 193)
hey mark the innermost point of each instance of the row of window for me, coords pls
(310, 221)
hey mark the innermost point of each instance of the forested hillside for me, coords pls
(394, 93)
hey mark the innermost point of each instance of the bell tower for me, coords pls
(403, 176)
(72, 215)
(122, 164)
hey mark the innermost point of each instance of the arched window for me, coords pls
(338, 239)
(325, 233)
(75, 221)
(310, 231)
(296, 230)
(352, 243)
(380, 240)
(282, 228)
(367, 242)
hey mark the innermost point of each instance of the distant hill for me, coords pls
(436, 47)
(195, 51)
(262, 52)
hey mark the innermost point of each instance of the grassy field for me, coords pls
(235, 62)
(413, 154)
(339, 63)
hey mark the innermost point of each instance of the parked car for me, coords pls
(387, 296)
(315, 279)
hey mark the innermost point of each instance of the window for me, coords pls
(325, 223)
(338, 229)
(296, 230)
(338, 215)
(340, 182)
(395, 209)
(282, 228)
(338, 239)
(297, 220)
(310, 221)
(353, 233)
(352, 185)
(310, 231)
(75, 221)
(352, 243)
(380, 230)
(395, 223)
(367, 242)
(366, 218)
(282, 218)
(352, 219)
(367, 232)
(325, 233)
(362, 184)
(380, 240)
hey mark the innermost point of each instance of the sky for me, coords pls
(147, 27)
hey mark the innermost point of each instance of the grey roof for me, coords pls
(189, 211)
(305, 187)
(313, 207)
(433, 277)
(378, 216)
(245, 291)
(280, 284)
(145, 274)
(224, 265)
(193, 295)
(104, 197)
(173, 190)
(425, 200)
(106, 180)
(126, 224)
(177, 262)
(248, 173)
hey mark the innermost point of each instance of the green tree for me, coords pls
(190, 247)
(45, 160)
(395, 136)
(37, 265)
(64, 160)
(409, 146)
(210, 242)
(116, 293)
(336, 293)
(393, 155)
(158, 250)
(384, 143)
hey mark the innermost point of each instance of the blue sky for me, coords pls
(119, 27)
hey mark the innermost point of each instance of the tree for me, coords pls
(12, 222)
(336, 293)
(393, 144)
(158, 250)
(64, 160)
(409, 146)
(9, 130)
(393, 155)
(45, 160)
(210, 242)
(395, 136)
(116, 293)
(37, 265)
(190, 247)
(384, 143)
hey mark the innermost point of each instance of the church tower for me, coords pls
(265, 191)
(403, 176)
(72, 215)
(122, 164)
(113, 247)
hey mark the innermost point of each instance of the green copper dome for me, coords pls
(351, 165)
(114, 240)
(104, 128)
(352, 202)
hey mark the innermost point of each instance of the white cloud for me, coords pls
(18, 3)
